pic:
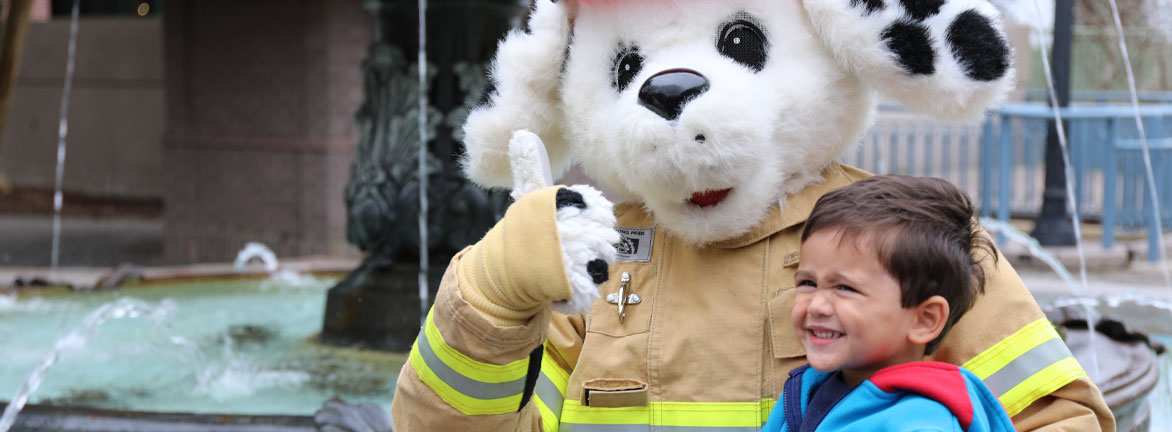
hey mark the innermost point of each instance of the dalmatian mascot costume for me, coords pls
(715, 126)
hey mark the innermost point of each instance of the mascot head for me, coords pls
(709, 112)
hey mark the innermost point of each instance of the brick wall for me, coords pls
(260, 102)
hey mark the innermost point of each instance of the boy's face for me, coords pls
(847, 311)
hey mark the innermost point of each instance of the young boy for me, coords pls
(888, 265)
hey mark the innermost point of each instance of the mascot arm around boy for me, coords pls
(716, 124)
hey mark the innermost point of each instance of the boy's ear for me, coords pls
(931, 315)
(949, 58)
(525, 78)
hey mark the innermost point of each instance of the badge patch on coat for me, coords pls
(634, 244)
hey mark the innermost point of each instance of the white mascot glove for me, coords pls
(585, 222)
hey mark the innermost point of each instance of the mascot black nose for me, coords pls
(667, 92)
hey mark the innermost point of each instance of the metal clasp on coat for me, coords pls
(623, 297)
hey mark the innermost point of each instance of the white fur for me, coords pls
(526, 71)
(529, 163)
(586, 235)
(760, 127)
(767, 134)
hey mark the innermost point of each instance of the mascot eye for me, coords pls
(627, 64)
(744, 42)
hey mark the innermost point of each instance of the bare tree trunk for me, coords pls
(10, 52)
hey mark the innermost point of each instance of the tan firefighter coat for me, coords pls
(707, 343)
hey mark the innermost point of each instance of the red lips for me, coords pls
(709, 197)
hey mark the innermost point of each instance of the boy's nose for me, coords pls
(819, 305)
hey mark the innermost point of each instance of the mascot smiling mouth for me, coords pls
(709, 198)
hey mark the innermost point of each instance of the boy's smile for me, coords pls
(847, 310)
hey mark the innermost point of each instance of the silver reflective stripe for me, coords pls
(1026, 365)
(550, 395)
(468, 386)
(571, 427)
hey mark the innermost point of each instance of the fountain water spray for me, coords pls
(259, 251)
(1143, 137)
(278, 276)
(1011, 233)
(1151, 178)
(423, 258)
(122, 308)
(62, 132)
(1071, 198)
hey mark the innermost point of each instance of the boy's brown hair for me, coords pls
(923, 232)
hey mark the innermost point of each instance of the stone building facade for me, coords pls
(260, 101)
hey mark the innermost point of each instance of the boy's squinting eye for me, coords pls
(744, 42)
(627, 64)
(807, 283)
(847, 288)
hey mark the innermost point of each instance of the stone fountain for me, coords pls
(378, 305)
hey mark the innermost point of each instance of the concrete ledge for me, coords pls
(51, 418)
(83, 278)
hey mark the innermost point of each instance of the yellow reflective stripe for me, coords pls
(996, 357)
(749, 415)
(470, 386)
(766, 408)
(466, 366)
(1051, 378)
(549, 419)
(550, 391)
(465, 404)
(1027, 365)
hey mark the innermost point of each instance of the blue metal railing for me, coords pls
(1001, 162)
(1106, 156)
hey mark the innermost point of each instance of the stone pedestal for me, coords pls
(378, 305)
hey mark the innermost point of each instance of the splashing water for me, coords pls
(279, 279)
(259, 251)
(122, 308)
(235, 376)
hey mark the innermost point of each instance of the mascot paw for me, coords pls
(586, 229)
(948, 57)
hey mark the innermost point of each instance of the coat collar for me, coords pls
(797, 206)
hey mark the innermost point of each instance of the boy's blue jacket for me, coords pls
(922, 396)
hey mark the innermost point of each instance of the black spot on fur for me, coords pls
(567, 197)
(871, 5)
(978, 47)
(912, 47)
(921, 9)
(598, 270)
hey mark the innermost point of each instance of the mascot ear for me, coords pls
(524, 80)
(949, 58)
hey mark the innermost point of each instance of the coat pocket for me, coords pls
(614, 393)
(784, 342)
